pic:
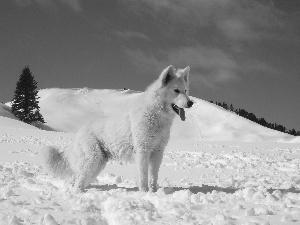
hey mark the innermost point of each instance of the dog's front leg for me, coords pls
(154, 164)
(142, 161)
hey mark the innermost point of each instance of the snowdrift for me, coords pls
(67, 110)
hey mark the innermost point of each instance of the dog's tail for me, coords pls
(55, 162)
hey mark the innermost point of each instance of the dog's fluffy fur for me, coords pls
(139, 131)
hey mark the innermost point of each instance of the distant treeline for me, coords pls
(252, 117)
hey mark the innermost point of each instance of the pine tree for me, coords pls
(25, 102)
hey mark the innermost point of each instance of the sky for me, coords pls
(242, 52)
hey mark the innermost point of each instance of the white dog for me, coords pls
(139, 130)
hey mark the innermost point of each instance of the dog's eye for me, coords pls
(177, 91)
(184, 91)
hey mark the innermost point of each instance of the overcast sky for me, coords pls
(244, 52)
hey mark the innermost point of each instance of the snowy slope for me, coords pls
(12, 123)
(7, 119)
(5, 111)
(68, 109)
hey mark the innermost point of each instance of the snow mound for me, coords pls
(67, 110)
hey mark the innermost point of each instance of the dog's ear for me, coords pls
(186, 74)
(167, 75)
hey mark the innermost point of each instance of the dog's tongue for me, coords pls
(181, 114)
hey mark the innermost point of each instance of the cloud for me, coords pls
(75, 5)
(236, 29)
(222, 40)
(210, 66)
(213, 65)
(132, 35)
(236, 20)
(144, 62)
(25, 3)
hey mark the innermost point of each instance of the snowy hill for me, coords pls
(12, 123)
(5, 111)
(68, 109)
(7, 119)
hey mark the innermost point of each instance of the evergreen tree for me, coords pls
(225, 106)
(293, 132)
(25, 102)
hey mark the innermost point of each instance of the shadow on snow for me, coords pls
(194, 189)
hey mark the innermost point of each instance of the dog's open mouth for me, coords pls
(179, 111)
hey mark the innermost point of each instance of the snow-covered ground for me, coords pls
(201, 181)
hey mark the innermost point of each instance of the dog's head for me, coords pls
(175, 85)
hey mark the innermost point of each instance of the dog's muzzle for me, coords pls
(180, 111)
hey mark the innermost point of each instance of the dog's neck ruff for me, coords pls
(158, 106)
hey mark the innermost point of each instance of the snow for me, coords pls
(5, 111)
(14, 123)
(250, 175)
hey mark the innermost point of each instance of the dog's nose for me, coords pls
(190, 104)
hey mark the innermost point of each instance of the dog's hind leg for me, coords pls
(91, 164)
